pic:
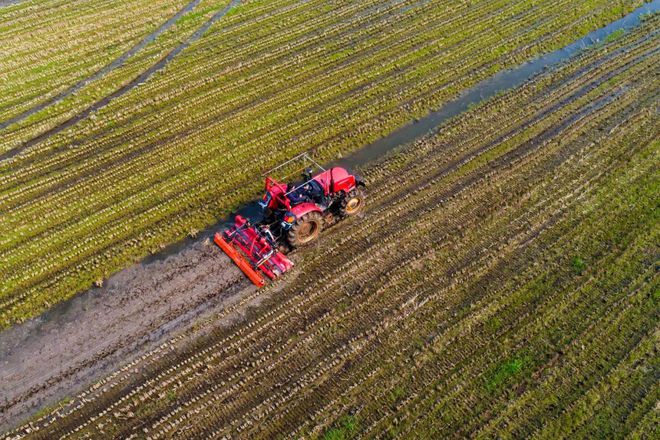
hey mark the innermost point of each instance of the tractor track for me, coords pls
(138, 117)
(144, 76)
(148, 147)
(305, 42)
(105, 70)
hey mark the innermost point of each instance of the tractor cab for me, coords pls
(280, 196)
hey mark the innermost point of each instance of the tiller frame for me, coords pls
(252, 251)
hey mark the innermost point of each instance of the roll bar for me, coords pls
(304, 155)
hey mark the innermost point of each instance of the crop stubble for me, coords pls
(82, 203)
(454, 306)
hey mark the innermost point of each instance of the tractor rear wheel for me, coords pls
(353, 203)
(306, 229)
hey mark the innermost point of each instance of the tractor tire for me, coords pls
(305, 230)
(353, 203)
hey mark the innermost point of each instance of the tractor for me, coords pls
(292, 215)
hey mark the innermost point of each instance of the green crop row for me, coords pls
(176, 153)
(454, 306)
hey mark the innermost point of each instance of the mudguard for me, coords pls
(304, 208)
(336, 179)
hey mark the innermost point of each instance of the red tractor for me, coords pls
(294, 214)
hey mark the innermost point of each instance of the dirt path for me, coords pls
(62, 351)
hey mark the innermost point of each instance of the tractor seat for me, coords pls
(310, 191)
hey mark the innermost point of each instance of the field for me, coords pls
(505, 286)
(501, 283)
(89, 42)
(94, 181)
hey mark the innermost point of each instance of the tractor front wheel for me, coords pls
(353, 202)
(306, 229)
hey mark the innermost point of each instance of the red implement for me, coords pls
(252, 252)
(293, 214)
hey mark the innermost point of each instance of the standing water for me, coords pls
(491, 87)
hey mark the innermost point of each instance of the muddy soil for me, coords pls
(59, 353)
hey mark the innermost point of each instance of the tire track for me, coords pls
(144, 76)
(105, 70)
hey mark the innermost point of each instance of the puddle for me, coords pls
(489, 88)
(9, 2)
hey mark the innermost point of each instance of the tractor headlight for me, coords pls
(288, 220)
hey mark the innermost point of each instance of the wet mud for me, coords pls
(66, 348)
